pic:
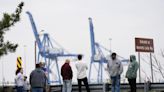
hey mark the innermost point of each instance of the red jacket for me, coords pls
(66, 71)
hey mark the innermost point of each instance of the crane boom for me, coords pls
(97, 55)
(35, 31)
(92, 37)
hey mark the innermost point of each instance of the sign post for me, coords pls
(151, 68)
(144, 45)
(139, 67)
(19, 62)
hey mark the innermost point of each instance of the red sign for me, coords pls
(144, 45)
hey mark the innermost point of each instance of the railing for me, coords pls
(141, 87)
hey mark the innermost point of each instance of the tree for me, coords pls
(7, 21)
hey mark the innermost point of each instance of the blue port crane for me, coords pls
(97, 54)
(48, 51)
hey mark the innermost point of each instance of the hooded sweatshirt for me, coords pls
(132, 68)
(38, 78)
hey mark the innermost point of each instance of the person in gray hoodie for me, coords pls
(37, 79)
(131, 73)
(115, 69)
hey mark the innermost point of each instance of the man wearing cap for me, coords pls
(115, 69)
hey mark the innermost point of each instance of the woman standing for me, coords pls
(19, 80)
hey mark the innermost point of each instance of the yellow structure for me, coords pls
(19, 62)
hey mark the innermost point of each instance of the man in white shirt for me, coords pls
(81, 73)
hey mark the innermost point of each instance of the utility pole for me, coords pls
(110, 39)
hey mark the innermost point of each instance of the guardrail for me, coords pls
(93, 88)
(141, 87)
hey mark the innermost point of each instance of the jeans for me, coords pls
(67, 86)
(26, 90)
(115, 83)
(19, 89)
(37, 89)
(85, 81)
(132, 83)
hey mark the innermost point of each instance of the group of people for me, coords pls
(115, 69)
(38, 78)
(67, 74)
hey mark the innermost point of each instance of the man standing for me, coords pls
(131, 73)
(37, 79)
(81, 73)
(66, 72)
(115, 69)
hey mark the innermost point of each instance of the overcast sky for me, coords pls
(67, 22)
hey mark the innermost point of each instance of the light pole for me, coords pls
(35, 47)
(110, 40)
(25, 59)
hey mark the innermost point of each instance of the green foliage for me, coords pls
(7, 21)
